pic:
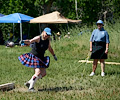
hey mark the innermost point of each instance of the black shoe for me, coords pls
(27, 84)
(31, 90)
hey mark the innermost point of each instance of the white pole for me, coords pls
(21, 31)
(13, 32)
(76, 9)
(13, 28)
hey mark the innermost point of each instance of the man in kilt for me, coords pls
(36, 59)
(99, 44)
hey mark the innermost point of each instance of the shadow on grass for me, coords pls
(113, 73)
(57, 89)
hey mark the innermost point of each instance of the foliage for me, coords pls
(88, 10)
(17, 6)
(116, 7)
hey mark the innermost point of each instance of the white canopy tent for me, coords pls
(54, 17)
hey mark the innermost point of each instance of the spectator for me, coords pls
(99, 45)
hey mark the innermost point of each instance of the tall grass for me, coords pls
(66, 79)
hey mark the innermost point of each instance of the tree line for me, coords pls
(88, 11)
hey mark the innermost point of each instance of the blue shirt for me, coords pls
(100, 36)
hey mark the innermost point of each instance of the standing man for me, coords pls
(99, 45)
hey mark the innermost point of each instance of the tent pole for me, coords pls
(67, 27)
(13, 28)
(39, 28)
(13, 32)
(21, 31)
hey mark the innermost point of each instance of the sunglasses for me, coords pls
(99, 24)
(48, 35)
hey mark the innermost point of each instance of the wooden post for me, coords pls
(111, 63)
(7, 87)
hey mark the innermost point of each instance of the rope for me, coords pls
(88, 57)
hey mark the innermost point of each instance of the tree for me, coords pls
(87, 10)
(43, 6)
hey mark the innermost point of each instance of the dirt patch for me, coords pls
(20, 89)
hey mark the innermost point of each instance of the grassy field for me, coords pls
(66, 79)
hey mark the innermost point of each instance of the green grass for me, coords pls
(66, 79)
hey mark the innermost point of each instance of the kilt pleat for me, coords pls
(32, 61)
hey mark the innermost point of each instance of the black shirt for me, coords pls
(38, 49)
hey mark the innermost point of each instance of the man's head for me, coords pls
(100, 24)
(48, 31)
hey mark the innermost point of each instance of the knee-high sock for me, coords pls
(39, 77)
(33, 80)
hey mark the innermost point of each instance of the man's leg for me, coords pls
(39, 73)
(95, 61)
(102, 62)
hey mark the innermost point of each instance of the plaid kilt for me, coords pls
(32, 61)
(98, 50)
